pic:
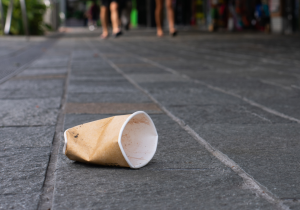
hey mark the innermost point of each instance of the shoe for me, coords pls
(116, 35)
(174, 34)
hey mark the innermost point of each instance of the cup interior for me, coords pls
(139, 140)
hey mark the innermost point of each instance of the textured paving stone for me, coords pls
(23, 170)
(50, 62)
(187, 93)
(125, 60)
(101, 87)
(261, 143)
(100, 78)
(32, 88)
(111, 108)
(140, 78)
(224, 114)
(26, 136)
(95, 72)
(47, 71)
(293, 203)
(134, 97)
(143, 70)
(194, 180)
(90, 65)
(22, 175)
(29, 112)
(35, 77)
(268, 152)
(19, 201)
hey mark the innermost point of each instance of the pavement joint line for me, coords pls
(47, 191)
(249, 181)
(20, 69)
(274, 112)
(296, 87)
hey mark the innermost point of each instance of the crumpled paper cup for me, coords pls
(125, 140)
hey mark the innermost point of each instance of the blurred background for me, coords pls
(269, 16)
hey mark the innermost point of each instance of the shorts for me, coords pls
(106, 3)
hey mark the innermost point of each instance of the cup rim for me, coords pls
(120, 138)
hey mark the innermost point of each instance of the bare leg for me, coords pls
(103, 17)
(170, 12)
(114, 17)
(158, 13)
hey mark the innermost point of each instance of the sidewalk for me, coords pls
(226, 109)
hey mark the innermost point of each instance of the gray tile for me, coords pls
(26, 136)
(23, 170)
(100, 78)
(40, 88)
(101, 87)
(133, 97)
(143, 78)
(19, 201)
(29, 112)
(198, 115)
(270, 153)
(47, 71)
(187, 93)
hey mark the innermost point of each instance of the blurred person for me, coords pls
(114, 16)
(125, 10)
(262, 15)
(158, 17)
(266, 16)
(93, 15)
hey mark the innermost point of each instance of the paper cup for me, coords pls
(125, 140)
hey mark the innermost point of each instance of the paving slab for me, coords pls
(103, 87)
(32, 88)
(187, 93)
(141, 78)
(99, 78)
(270, 153)
(47, 71)
(16, 137)
(264, 145)
(194, 180)
(134, 97)
(23, 169)
(94, 72)
(19, 201)
(111, 108)
(29, 112)
(22, 175)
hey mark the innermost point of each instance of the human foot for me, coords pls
(160, 33)
(104, 35)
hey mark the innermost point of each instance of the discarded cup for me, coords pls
(125, 140)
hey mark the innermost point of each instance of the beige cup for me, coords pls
(125, 140)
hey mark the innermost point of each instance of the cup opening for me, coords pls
(138, 140)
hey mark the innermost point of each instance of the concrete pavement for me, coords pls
(226, 108)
